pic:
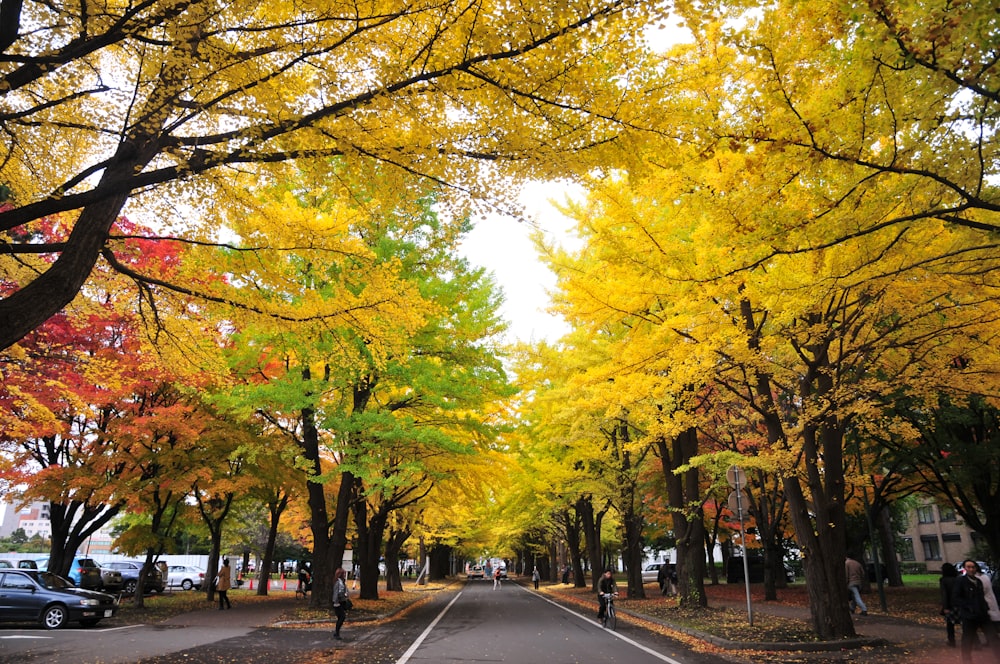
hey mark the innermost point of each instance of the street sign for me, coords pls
(737, 503)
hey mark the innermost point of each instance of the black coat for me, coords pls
(968, 599)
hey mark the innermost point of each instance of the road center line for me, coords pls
(662, 658)
(420, 639)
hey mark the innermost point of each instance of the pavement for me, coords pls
(249, 615)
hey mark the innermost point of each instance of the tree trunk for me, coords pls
(711, 537)
(571, 522)
(632, 524)
(71, 525)
(887, 544)
(275, 507)
(439, 556)
(393, 545)
(369, 543)
(683, 491)
(591, 525)
(824, 554)
(817, 510)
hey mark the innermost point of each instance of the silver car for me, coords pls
(185, 576)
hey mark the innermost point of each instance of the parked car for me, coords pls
(111, 580)
(130, 570)
(651, 571)
(476, 572)
(186, 576)
(84, 572)
(18, 563)
(50, 599)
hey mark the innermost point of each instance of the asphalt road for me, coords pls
(472, 623)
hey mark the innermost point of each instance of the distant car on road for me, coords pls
(476, 572)
(50, 599)
(186, 576)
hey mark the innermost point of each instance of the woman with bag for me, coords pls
(222, 585)
(341, 602)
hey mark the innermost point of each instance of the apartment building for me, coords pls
(935, 535)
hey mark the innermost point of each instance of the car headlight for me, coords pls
(90, 602)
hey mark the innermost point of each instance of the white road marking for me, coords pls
(662, 658)
(24, 636)
(420, 639)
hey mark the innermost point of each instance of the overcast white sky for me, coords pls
(502, 245)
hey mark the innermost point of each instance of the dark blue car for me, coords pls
(52, 600)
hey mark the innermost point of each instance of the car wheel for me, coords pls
(90, 622)
(54, 617)
(186, 584)
(130, 587)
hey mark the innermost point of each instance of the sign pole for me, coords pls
(736, 479)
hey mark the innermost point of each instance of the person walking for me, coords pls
(535, 577)
(496, 579)
(855, 577)
(340, 599)
(222, 585)
(992, 610)
(949, 575)
(968, 599)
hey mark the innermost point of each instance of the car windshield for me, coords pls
(50, 580)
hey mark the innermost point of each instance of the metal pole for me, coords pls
(743, 544)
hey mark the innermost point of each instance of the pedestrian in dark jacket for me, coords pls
(968, 599)
(340, 599)
(949, 576)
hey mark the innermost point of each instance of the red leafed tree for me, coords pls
(60, 390)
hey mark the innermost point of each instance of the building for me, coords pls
(34, 518)
(935, 535)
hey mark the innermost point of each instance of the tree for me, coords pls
(805, 343)
(954, 457)
(202, 91)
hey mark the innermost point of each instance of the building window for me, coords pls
(946, 513)
(951, 537)
(925, 514)
(932, 548)
(906, 549)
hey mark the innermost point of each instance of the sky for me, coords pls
(502, 245)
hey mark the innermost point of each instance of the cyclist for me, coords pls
(606, 586)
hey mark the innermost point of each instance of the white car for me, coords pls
(650, 572)
(185, 576)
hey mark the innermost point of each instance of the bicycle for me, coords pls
(610, 615)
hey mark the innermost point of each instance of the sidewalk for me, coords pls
(246, 615)
(911, 641)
